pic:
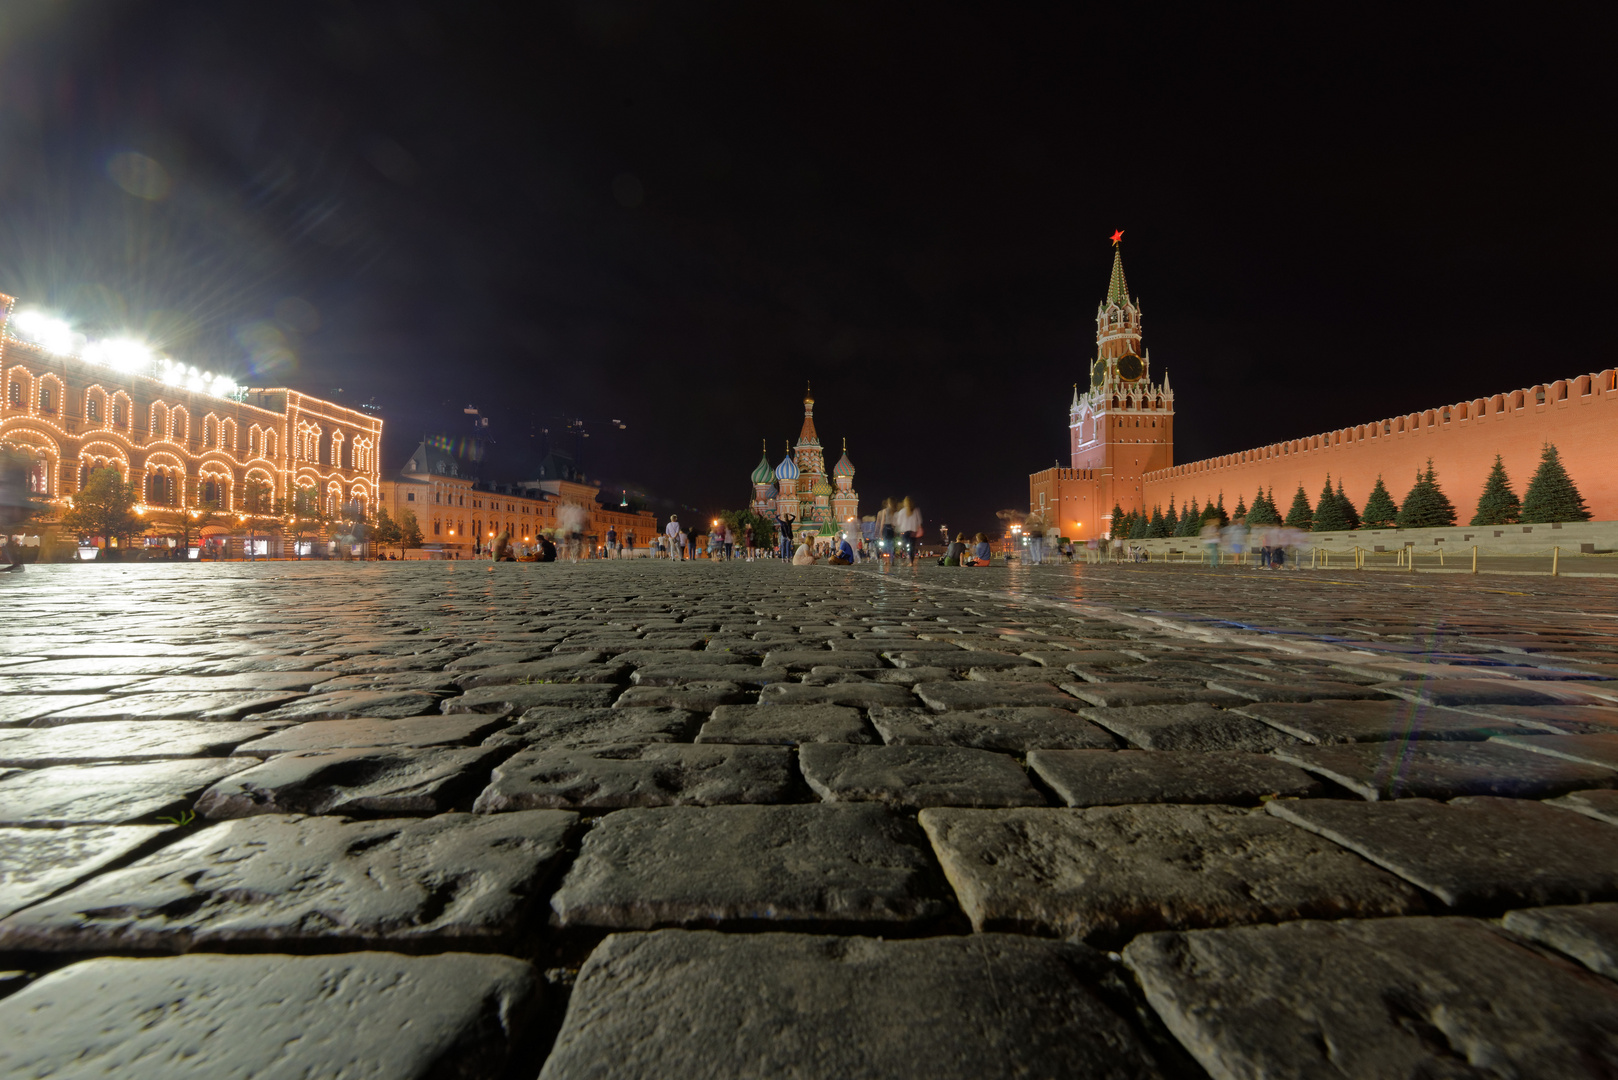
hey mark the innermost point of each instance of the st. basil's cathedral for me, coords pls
(799, 487)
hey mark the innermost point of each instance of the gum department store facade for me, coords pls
(1121, 442)
(186, 448)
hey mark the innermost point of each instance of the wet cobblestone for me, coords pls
(830, 821)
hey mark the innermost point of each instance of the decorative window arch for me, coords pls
(159, 420)
(19, 388)
(255, 436)
(227, 435)
(269, 443)
(334, 499)
(45, 455)
(258, 492)
(210, 431)
(95, 405)
(336, 448)
(120, 409)
(52, 395)
(214, 482)
(180, 424)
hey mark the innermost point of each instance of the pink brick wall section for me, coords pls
(1580, 416)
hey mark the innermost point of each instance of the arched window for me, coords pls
(14, 393)
(92, 408)
(181, 421)
(227, 435)
(210, 431)
(159, 420)
(269, 444)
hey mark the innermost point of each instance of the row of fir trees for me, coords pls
(1551, 497)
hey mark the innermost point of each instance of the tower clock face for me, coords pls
(1130, 367)
(1098, 373)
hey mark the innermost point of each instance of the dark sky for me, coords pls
(675, 214)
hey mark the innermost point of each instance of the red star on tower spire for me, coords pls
(1117, 236)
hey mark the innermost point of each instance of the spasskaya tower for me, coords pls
(1121, 424)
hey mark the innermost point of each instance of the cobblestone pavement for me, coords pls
(651, 819)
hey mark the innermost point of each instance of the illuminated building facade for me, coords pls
(1121, 440)
(185, 439)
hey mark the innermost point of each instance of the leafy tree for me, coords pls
(1498, 505)
(1263, 511)
(1299, 514)
(1158, 528)
(1426, 507)
(1551, 494)
(1330, 515)
(409, 530)
(1190, 521)
(1380, 511)
(308, 517)
(104, 507)
(1351, 515)
(1118, 527)
(386, 531)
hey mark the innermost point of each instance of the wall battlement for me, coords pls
(1579, 415)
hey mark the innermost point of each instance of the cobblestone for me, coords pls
(865, 735)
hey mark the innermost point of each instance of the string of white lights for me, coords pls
(124, 355)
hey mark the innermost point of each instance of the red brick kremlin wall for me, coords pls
(1579, 415)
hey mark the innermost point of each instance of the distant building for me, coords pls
(460, 513)
(799, 486)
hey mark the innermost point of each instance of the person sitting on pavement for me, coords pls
(845, 554)
(804, 556)
(981, 554)
(955, 552)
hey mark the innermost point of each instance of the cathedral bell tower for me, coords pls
(1122, 423)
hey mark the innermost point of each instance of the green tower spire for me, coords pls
(1117, 288)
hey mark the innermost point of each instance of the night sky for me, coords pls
(674, 215)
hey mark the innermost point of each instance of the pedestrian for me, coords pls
(888, 532)
(908, 524)
(612, 541)
(1210, 542)
(672, 531)
(729, 540)
(784, 523)
(747, 541)
(629, 543)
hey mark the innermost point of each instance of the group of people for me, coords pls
(957, 553)
(1271, 544)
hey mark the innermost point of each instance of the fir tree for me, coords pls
(1172, 519)
(1158, 528)
(1215, 512)
(1140, 527)
(1191, 520)
(1263, 511)
(1329, 514)
(1380, 511)
(1118, 522)
(1426, 507)
(1350, 515)
(1241, 507)
(1299, 515)
(1551, 494)
(1498, 505)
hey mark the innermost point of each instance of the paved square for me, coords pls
(866, 804)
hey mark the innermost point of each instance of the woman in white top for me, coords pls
(908, 524)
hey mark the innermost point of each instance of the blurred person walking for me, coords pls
(908, 523)
(672, 531)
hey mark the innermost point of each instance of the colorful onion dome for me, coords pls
(764, 474)
(787, 470)
(822, 487)
(844, 467)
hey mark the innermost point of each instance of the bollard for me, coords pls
(1556, 553)
(1410, 552)
(1474, 558)
(1440, 554)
